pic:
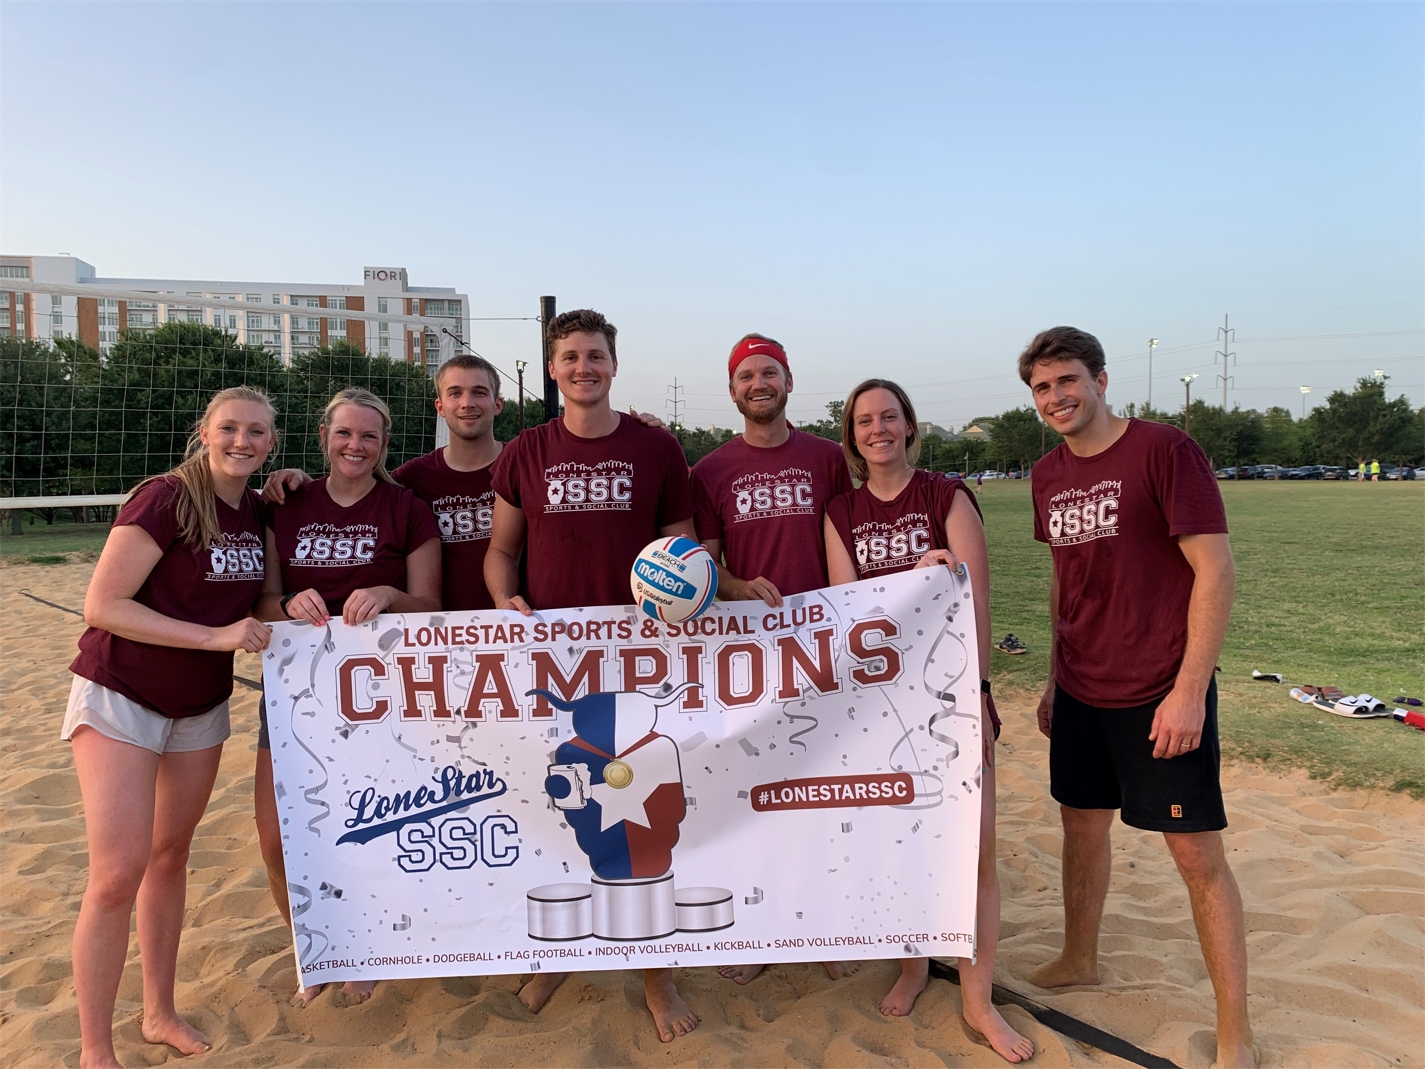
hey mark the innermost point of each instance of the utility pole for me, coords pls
(551, 388)
(1304, 391)
(1152, 344)
(677, 401)
(1186, 380)
(520, 365)
(1225, 336)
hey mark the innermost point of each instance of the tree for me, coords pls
(698, 442)
(830, 427)
(314, 378)
(36, 416)
(1018, 438)
(1364, 425)
(1281, 437)
(507, 423)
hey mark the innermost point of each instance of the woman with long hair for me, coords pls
(344, 548)
(932, 521)
(171, 599)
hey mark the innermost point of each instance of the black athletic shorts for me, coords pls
(1103, 759)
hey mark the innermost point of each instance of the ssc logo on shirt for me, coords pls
(233, 563)
(1083, 515)
(881, 545)
(322, 545)
(574, 487)
(465, 519)
(760, 496)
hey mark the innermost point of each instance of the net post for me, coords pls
(551, 388)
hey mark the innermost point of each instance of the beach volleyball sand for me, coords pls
(1333, 884)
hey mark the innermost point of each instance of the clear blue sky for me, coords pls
(910, 191)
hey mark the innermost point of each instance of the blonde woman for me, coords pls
(170, 600)
(939, 523)
(344, 548)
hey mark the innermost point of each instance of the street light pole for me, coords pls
(1152, 344)
(1304, 391)
(1186, 380)
(520, 365)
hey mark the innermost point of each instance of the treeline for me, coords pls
(74, 423)
(1361, 424)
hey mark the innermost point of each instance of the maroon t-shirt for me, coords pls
(334, 550)
(214, 586)
(765, 506)
(591, 504)
(1112, 521)
(464, 507)
(885, 537)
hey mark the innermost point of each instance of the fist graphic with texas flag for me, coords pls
(619, 783)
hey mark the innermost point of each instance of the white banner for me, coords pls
(481, 792)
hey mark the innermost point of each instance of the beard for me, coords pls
(763, 416)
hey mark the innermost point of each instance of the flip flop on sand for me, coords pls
(1266, 677)
(1360, 707)
(1011, 645)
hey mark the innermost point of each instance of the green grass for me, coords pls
(1330, 589)
(44, 540)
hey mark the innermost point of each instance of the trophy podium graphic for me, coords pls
(619, 784)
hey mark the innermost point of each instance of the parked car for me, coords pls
(1272, 471)
(1246, 472)
(1407, 473)
(1309, 471)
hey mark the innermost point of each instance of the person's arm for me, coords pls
(1177, 724)
(502, 558)
(839, 568)
(307, 605)
(731, 588)
(422, 593)
(683, 528)
(129, 555)
(1045, 711)
(965, 535)
(280, 481)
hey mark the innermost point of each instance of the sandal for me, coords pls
(1266, 677)
(1361, 707)
(1011, 645)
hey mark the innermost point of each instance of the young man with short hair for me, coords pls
(759, 502)
(580, 496)
(1142, 589)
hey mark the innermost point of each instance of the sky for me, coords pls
(901, 190)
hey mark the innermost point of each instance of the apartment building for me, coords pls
(284, 317)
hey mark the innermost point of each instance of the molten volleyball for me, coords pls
(674, 579)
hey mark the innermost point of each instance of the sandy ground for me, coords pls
(1334, 886)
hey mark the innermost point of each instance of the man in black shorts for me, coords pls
(1140, 597)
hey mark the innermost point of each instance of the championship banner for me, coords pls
(482, 792)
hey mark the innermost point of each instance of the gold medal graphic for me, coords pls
(618, 775)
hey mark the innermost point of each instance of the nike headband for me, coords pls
(756, 347)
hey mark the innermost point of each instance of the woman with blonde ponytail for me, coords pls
(344, 548)
(170, 601)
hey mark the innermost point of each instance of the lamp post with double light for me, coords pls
(1304, 391)
(1187, 380)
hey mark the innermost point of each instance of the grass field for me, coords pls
(1330, 589)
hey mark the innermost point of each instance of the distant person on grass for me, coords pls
(758, 503)
(1375, 471)
(1139, 599)
(579, 497)
(170, 601)
(901, 518)
(348, 546)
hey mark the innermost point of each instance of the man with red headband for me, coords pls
(758, 503)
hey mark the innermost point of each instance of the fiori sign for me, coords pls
(465, 788)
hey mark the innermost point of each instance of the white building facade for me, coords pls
(284, 317)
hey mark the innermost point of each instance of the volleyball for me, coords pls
(674, 579)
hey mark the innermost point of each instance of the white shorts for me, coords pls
(124, 720)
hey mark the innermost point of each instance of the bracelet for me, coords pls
(984, 686)
(283, 604)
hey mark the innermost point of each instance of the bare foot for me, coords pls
(1235, 1056)
(741, 974)
(357, 991)
(900, 1000)
(536, 993)
(996, 1031)
(177, 1033)
(304, 995)
(1061, 973)
(100, 1060)
(671, 1014)
(840, 970)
